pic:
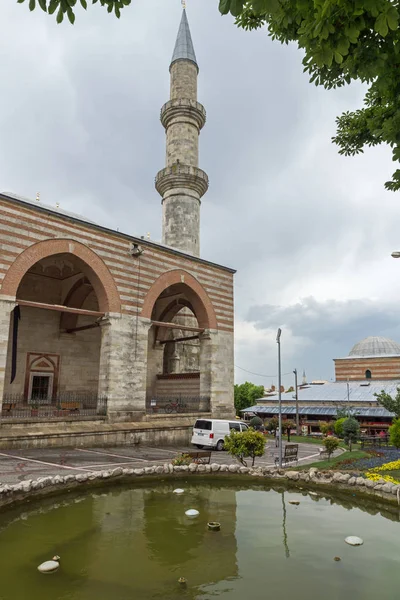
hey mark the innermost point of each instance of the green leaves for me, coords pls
(66, 7)
(245, 444)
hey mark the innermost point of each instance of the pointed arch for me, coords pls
(193, 290)
(89, 262)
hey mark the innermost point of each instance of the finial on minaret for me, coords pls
(183, 4)
(37, 196)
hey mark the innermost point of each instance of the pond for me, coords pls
(124, 544)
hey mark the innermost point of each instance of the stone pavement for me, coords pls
(21, 465)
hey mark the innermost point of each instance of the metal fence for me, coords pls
(71, 405)
(177, 404)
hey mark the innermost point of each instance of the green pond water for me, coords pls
(125, 544)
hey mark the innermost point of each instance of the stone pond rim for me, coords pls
(26, 491)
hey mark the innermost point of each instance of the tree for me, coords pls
(246, 444)
(246, 394)
(67, 7)
(391, 404)
(256, 423)
(338, 426)
(326, 427)
(350, 40)
(331, 443)
(394, 432)
(351, 431)
(272, 424)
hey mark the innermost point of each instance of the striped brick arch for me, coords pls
(91, 265)
(195, 297)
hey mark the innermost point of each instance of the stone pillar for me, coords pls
(216, 372)
(7, 304)
(123, 366)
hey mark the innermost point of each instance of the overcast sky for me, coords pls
(309, 232)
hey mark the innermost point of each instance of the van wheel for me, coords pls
(219, 446)
(199, 446)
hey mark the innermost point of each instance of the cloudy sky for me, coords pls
(309, 232)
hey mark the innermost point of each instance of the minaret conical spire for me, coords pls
(184, 46)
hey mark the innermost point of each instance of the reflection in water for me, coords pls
(285, 537)
(136, 543)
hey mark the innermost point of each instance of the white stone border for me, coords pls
(20, 492)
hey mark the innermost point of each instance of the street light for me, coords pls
(297, 403)
(278, 341)
(395, 254)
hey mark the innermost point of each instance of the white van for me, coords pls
(210, 433)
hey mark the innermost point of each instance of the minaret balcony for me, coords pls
(183, 109)
(181, 176)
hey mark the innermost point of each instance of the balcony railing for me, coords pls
(174, 404)
(66, 405)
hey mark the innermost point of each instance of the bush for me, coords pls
(331, 444)
(338, 426)
(246, 444)
(326, 427)
(394, 432)
(256, 422)
(351, 431)
(181, 460)
(272, 424)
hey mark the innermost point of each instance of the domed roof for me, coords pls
(375, 346)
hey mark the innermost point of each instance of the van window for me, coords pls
(235, 426)
(244, 427)
(201, 424)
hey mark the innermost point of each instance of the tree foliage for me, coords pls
(326, 427)
(256, 422)
(342, 41)
(338, 426)
(351, 431)
(246, 394)
(272, 424)
(394, 432)
(246, 444)
(64, 8)
(331, 444)
(391, 404)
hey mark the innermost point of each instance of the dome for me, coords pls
(375, 346)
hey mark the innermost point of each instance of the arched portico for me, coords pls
(62, 290)
(182, 316)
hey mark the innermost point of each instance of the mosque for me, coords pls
(95, 323)
(371, 366)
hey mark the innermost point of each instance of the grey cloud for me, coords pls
(79, 122)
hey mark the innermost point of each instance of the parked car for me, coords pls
(210, 433)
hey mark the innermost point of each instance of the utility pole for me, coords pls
(278, 340)
(297, 403)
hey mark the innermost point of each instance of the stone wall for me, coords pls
(382, 493)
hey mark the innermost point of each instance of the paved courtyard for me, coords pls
(20, 465)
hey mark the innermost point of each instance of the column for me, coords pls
(216, 372)
(123, 366)
(7, 304)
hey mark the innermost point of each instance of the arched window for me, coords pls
(368, 374)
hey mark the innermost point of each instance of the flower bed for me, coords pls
(377, 459)
(383, 471)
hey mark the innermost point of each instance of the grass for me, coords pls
(336, 462)
(303, 439)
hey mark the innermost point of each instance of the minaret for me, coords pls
(181, 184)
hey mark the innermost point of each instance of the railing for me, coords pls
(174, 404)
(70, 405)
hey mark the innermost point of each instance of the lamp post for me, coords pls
(297, 403)
(278, 341)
